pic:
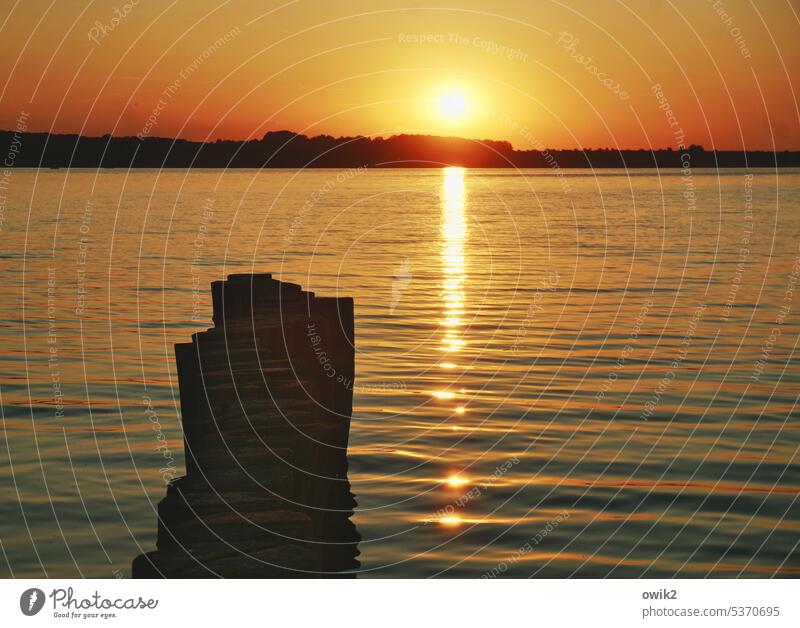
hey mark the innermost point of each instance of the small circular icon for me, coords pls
(31, 601)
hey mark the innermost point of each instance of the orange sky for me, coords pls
(572, 74)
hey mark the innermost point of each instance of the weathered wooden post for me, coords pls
(266, 399)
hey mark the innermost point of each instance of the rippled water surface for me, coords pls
(593, 374)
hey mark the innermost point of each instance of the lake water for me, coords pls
(589, 375)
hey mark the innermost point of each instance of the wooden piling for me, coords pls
(266, 400)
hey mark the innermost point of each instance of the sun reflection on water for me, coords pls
(454, 233)
(452, 521)
(453, 237)
(457, 481)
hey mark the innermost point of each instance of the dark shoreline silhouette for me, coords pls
(266, 426)
(285, 149)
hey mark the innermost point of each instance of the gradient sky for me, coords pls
(528, 72)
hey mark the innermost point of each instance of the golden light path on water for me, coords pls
(454, 234)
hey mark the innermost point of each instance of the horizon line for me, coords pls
(482, 141)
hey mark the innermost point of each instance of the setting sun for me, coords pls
(452, 105)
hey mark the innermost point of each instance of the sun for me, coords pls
(452, 105)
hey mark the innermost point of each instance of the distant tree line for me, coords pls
(284, 149)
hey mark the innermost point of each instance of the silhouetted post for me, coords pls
(266, 399)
